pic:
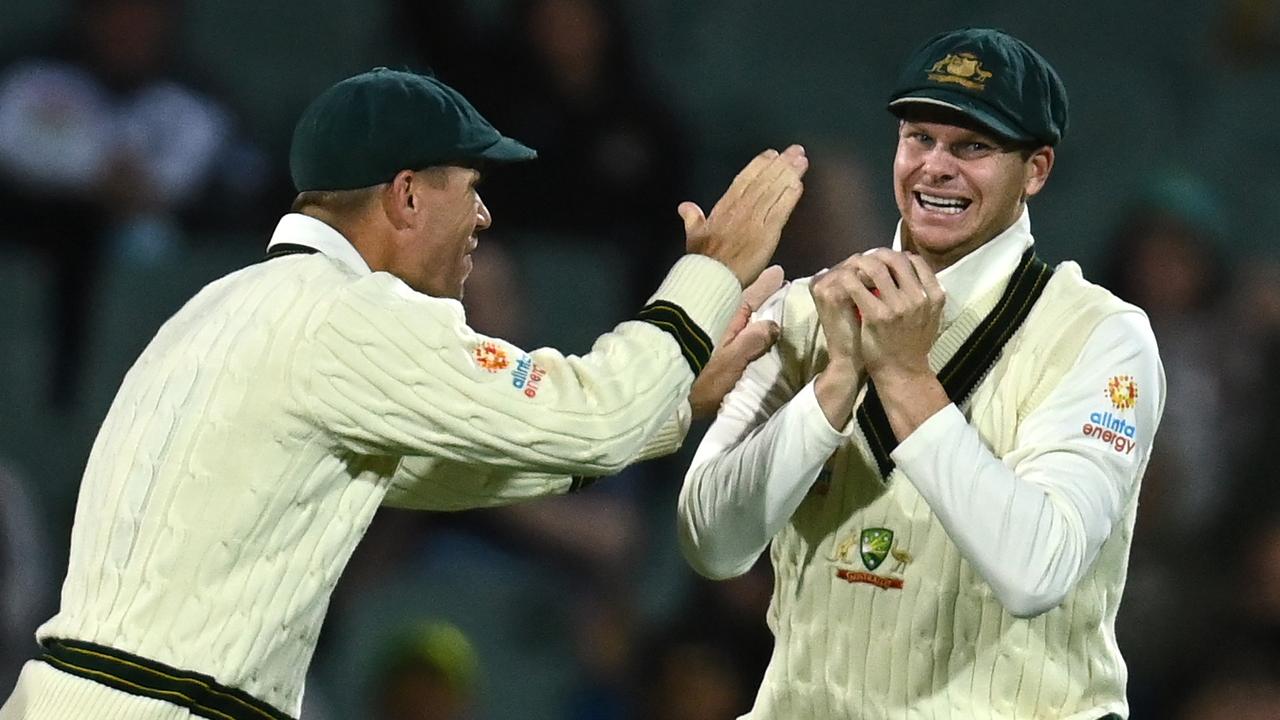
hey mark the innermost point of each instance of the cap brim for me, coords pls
(963, 104)
(506, 150)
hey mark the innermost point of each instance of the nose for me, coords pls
(483, 219)
(938, 164)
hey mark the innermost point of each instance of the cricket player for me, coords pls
(943, 451)
(251, 444)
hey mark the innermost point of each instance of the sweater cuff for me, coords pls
(705, 290)
(816, 423)
(670, 436)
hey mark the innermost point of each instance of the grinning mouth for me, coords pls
(944, 205)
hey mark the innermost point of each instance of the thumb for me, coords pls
(768, 283)
(692, 216)
(754, 340)
(736, 324)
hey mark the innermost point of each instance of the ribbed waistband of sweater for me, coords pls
(198, 693)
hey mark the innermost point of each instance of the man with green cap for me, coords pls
(251, 444)
(945, 446)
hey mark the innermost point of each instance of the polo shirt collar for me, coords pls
(983, 269)
(299, 229)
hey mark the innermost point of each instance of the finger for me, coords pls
(784, 202)
(928, 280)
(768, 283)
(798, 157)
(746, 176)
(844, 285)
(774, 179)
(692, 216)
(754, 340)
(872, 266)
(904, 274)
(738, 322)
(867, 301)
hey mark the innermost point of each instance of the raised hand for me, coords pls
(744, 226)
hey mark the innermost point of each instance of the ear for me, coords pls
(399, 202)
(1038, 167)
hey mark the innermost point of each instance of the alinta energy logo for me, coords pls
(527, 376)
(1109, 427)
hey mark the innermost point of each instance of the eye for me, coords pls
(921, 138)
(974, 149)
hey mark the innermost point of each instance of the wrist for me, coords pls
(836, 386)
(909, 398)
(896, 379)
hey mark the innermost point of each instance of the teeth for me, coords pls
(935, 200)
(949, 206)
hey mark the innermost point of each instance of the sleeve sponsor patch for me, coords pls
(1122, 390)
(490, 357)
(527, 375)
(1112, 430)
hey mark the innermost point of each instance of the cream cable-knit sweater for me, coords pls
(251, 444)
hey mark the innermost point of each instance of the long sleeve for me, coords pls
(394, 372)
(433, 483)
(754, 466)
(1033, 522)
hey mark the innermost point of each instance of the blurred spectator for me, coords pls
(26, 591)
(1242, 693)
(104, 146)
(605, 636)
(1242, 683)
(561, 76)
(694, 680)
(1163, 256)
(429, 672)
(1255, 319)
(730, 614)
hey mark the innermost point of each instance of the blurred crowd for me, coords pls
(580, 607)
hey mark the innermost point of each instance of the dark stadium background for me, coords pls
(1165, 189)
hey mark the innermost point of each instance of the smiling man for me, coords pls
(945, 447)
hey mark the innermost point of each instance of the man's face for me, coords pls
(437, 258)
(957, 187)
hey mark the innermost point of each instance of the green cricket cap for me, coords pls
(365, 129)
(990, 76)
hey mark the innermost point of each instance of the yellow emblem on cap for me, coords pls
(962, 69)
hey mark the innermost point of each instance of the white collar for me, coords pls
(981, 270)
(299, 229)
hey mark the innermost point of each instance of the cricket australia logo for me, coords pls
(964, 69)
(874, 545)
